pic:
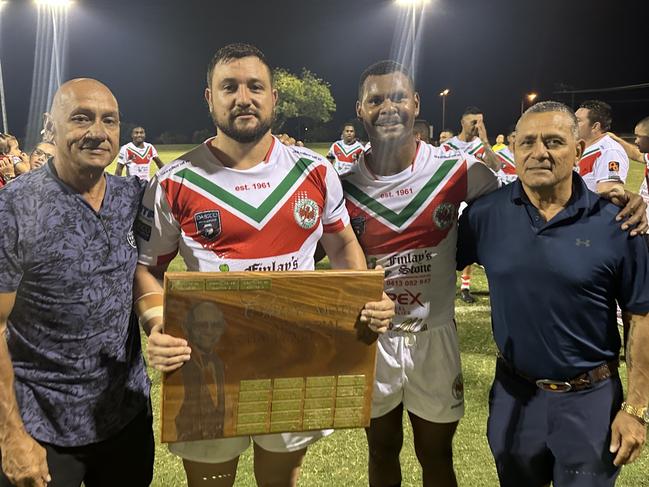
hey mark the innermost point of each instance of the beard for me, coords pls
(243, 135)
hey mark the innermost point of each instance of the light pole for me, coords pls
(414, 5)
(3, 104)
(530, 97)
(444, 94)
(49, 62)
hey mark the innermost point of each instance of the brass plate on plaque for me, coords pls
(273, 352)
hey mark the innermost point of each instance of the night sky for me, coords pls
(153, 54)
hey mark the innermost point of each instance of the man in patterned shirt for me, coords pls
(241, 201)
(74, 395)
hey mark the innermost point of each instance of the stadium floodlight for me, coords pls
(530, 97)
(444, 94)
(412, 3)
(55, 3)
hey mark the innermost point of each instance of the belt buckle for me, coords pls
(553, 385)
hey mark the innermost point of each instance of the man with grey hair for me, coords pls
(556, 405)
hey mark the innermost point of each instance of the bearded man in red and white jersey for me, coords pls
(604, 164)
(344, 153)
(241, 201)
(136, 156)
(403, 198)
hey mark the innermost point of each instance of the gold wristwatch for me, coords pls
(641, 413)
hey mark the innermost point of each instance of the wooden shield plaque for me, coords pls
(271, 352)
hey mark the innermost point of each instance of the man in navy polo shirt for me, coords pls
(74, 395)
(557, 262)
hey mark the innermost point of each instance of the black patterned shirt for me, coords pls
(75, 349)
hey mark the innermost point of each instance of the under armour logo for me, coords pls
(579, 242)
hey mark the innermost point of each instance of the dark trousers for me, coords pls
(540, 436)
(125, 459)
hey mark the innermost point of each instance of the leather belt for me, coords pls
(579, 383)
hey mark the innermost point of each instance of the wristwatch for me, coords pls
(641, 413)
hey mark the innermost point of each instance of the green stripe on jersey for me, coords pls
(476, 149)
(504, 155)
(257, 214)
(355, 147)
(398, 219)
(587, 153)
(451, 145)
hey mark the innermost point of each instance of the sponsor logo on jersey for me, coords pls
(208, 224)
(613, 166)
(290, 265)
(224, 267)
(146, 213)
(407, 297)
(458, 387)
(306, 212)
(130, 238)
(142, 230)
(444, 215)
(358, 225)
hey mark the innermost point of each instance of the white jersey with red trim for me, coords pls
(605, 160)
(266, 218)
(345, 155)
(474, 148)
(507, 173)
(407, 223)
(137, 159)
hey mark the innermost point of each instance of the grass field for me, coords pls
(341, 459)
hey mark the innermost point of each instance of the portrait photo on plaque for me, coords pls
(270, 352)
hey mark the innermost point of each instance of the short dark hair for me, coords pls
(348, 124)
(644, 123)
(380, 68)
(598, 111)
(447, 130)
(237, 50)
(553, 106)
(472, 111)
(137, 127)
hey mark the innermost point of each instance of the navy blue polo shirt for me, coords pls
(553, 285)
(79, 372)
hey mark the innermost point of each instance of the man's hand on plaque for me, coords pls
(378, 314)
(166, 353)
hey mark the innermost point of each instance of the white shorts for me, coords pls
(226, 449)
(421, 370)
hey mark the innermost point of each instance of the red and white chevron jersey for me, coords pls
(267, 218)
(407, 223)
(345, 155)
(137, 159)
(507, 173)
(605, 160)
(474, 148)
